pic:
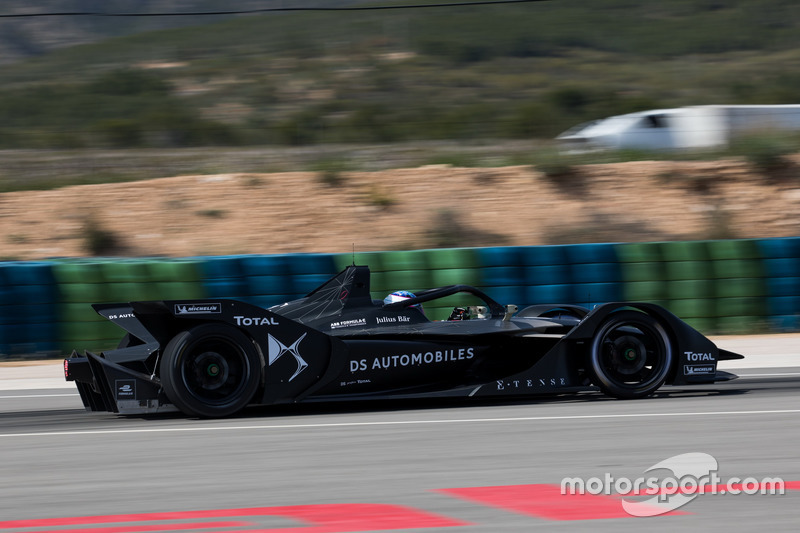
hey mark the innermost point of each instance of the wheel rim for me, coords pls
(634, 354)
(214, 370)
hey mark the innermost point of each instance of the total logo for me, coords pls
(693, 356)
(255, 321)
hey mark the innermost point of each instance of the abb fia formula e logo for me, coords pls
(277, 350)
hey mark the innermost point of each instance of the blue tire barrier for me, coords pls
(223, 277)
(592, 294)
(265, 265)
(311, 264)
(544, 255)
(547, 274)
(498, 276)
(500, 256)
(549, 294)
(719, 286)
(592, 253)
(596, 273)
(28, 309)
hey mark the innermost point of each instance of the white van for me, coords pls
(680, 128)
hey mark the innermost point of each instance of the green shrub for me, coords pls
(694, 182)
(212, 213)
(129, 82)
(98, 241)
(330, 171)
(767, 152)
(450, 229)
(120, 132)
(554, 165)
(379, 198)
(454, 159)
(305, 127)
(719, 225)
(534, 120)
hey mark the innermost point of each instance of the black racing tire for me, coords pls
(210, 371)
(631, 355)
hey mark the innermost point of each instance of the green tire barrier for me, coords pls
(716, 286)
(418, 270)
(719, 287)
(84, 282)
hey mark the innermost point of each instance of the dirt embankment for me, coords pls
(401, 209)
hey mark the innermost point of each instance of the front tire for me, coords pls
(210, 371)
(631, 355)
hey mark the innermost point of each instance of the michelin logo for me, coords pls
(198, 309)
(692, 370)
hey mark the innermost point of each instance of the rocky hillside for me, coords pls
(431, 206)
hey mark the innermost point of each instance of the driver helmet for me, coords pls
(399, 296)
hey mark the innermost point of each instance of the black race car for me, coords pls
(211, 358)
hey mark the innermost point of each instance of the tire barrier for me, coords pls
(224, 277)
(781, 264)
(28, 314)
(83, 282)
(418, 270)
(719, 287)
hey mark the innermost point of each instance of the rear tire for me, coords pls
(631, 355)
(210, 371)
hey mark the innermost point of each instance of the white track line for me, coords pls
(18, 396)
(771, 375)
(394, 423)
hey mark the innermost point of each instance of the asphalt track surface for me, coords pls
(424, 466)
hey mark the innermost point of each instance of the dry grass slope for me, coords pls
(430, 206)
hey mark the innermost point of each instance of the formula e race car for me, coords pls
(211, 358)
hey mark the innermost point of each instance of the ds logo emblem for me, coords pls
(277, 350)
